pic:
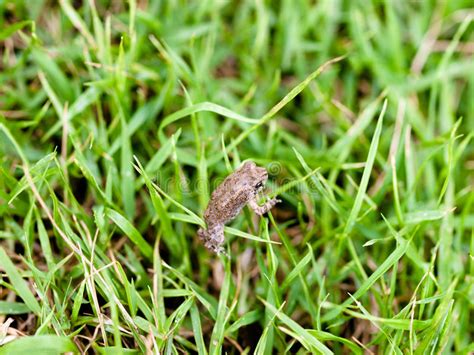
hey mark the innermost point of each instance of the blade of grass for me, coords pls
(217, 337)
(310, 342)
(47, 344)
(19, 285)
(361, 192)
(393, 258)
(131, 232)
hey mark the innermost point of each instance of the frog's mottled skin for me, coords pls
(237, 190)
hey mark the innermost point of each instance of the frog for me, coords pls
(239, 189)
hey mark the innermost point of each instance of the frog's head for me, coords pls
(255, 176)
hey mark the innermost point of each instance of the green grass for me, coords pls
(118, 119)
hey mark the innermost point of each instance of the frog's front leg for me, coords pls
(260, 210)
(213, 237)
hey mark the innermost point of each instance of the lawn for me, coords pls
(119, 118)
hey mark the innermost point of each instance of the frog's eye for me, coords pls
(259, 185)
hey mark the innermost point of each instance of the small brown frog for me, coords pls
(238, 189)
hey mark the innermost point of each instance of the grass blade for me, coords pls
(19, 285)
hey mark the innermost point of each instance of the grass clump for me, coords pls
(117, 121)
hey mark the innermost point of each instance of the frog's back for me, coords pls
(226, 202)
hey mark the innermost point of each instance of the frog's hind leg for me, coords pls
(213, 237)
(216, 238)
(202, 234)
